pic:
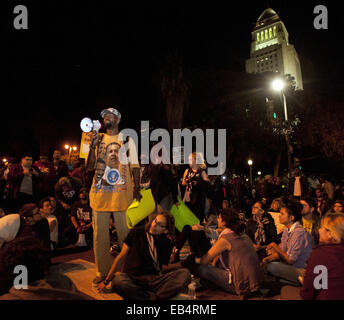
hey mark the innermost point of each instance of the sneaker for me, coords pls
(97, 280)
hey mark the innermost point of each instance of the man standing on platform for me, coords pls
(114, 193)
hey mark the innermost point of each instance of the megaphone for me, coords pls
(87, 125)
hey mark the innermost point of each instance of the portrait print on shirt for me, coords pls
(109, 171)
(112, 183)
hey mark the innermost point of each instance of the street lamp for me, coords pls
(259, 173)
(250, 163)
(278, 85)
(70, 148)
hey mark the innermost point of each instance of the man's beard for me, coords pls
(109, 125)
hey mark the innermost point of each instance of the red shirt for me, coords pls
(332, 257)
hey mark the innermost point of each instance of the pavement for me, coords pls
(77, 263)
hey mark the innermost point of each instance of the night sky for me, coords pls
(73, 61)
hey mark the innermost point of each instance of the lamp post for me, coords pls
(250, 163)
(278, 85)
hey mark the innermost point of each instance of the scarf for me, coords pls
(260, 236)
(152, 251)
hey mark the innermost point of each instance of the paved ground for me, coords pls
(83, 275)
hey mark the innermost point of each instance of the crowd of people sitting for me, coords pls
(280, 227)
(55, 192)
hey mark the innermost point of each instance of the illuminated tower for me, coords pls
(271, 50)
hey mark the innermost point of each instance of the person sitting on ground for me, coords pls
(322, 201)
(45, 210)
(67, 191)
(41, 285)
(274, 211)
(27, 223)
(144, 258)
(261, 229)
(82, 219)
(310, 218)
(200, 236)
(228, 255)
(275, 205)
(338, 206)
(330, 255)
(288, 259)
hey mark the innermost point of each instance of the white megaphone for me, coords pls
(87, 125)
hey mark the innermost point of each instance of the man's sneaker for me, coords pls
(97, 280)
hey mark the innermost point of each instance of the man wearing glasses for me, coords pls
(144, 258)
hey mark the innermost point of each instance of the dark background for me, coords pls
(75, 60)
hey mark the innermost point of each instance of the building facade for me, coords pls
(271, 50)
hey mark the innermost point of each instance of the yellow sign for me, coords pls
(137, 211)
(86, 140)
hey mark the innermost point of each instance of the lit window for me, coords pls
(270, 33)
(266, 34)
(258, 37)
(262, 36)
(274, 31)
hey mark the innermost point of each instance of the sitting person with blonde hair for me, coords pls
(328, 257)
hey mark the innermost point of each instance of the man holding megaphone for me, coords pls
(111, 190)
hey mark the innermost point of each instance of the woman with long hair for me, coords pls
(235, 266)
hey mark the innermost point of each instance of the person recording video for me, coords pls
(23, 178)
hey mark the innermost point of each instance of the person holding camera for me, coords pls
(24, 178)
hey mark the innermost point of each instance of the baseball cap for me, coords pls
(111, 110)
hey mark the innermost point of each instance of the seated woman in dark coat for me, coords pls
(261, 229)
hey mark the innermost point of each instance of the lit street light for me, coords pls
(70, 148)
(278, 85)
(259, 173)
(250, 163)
